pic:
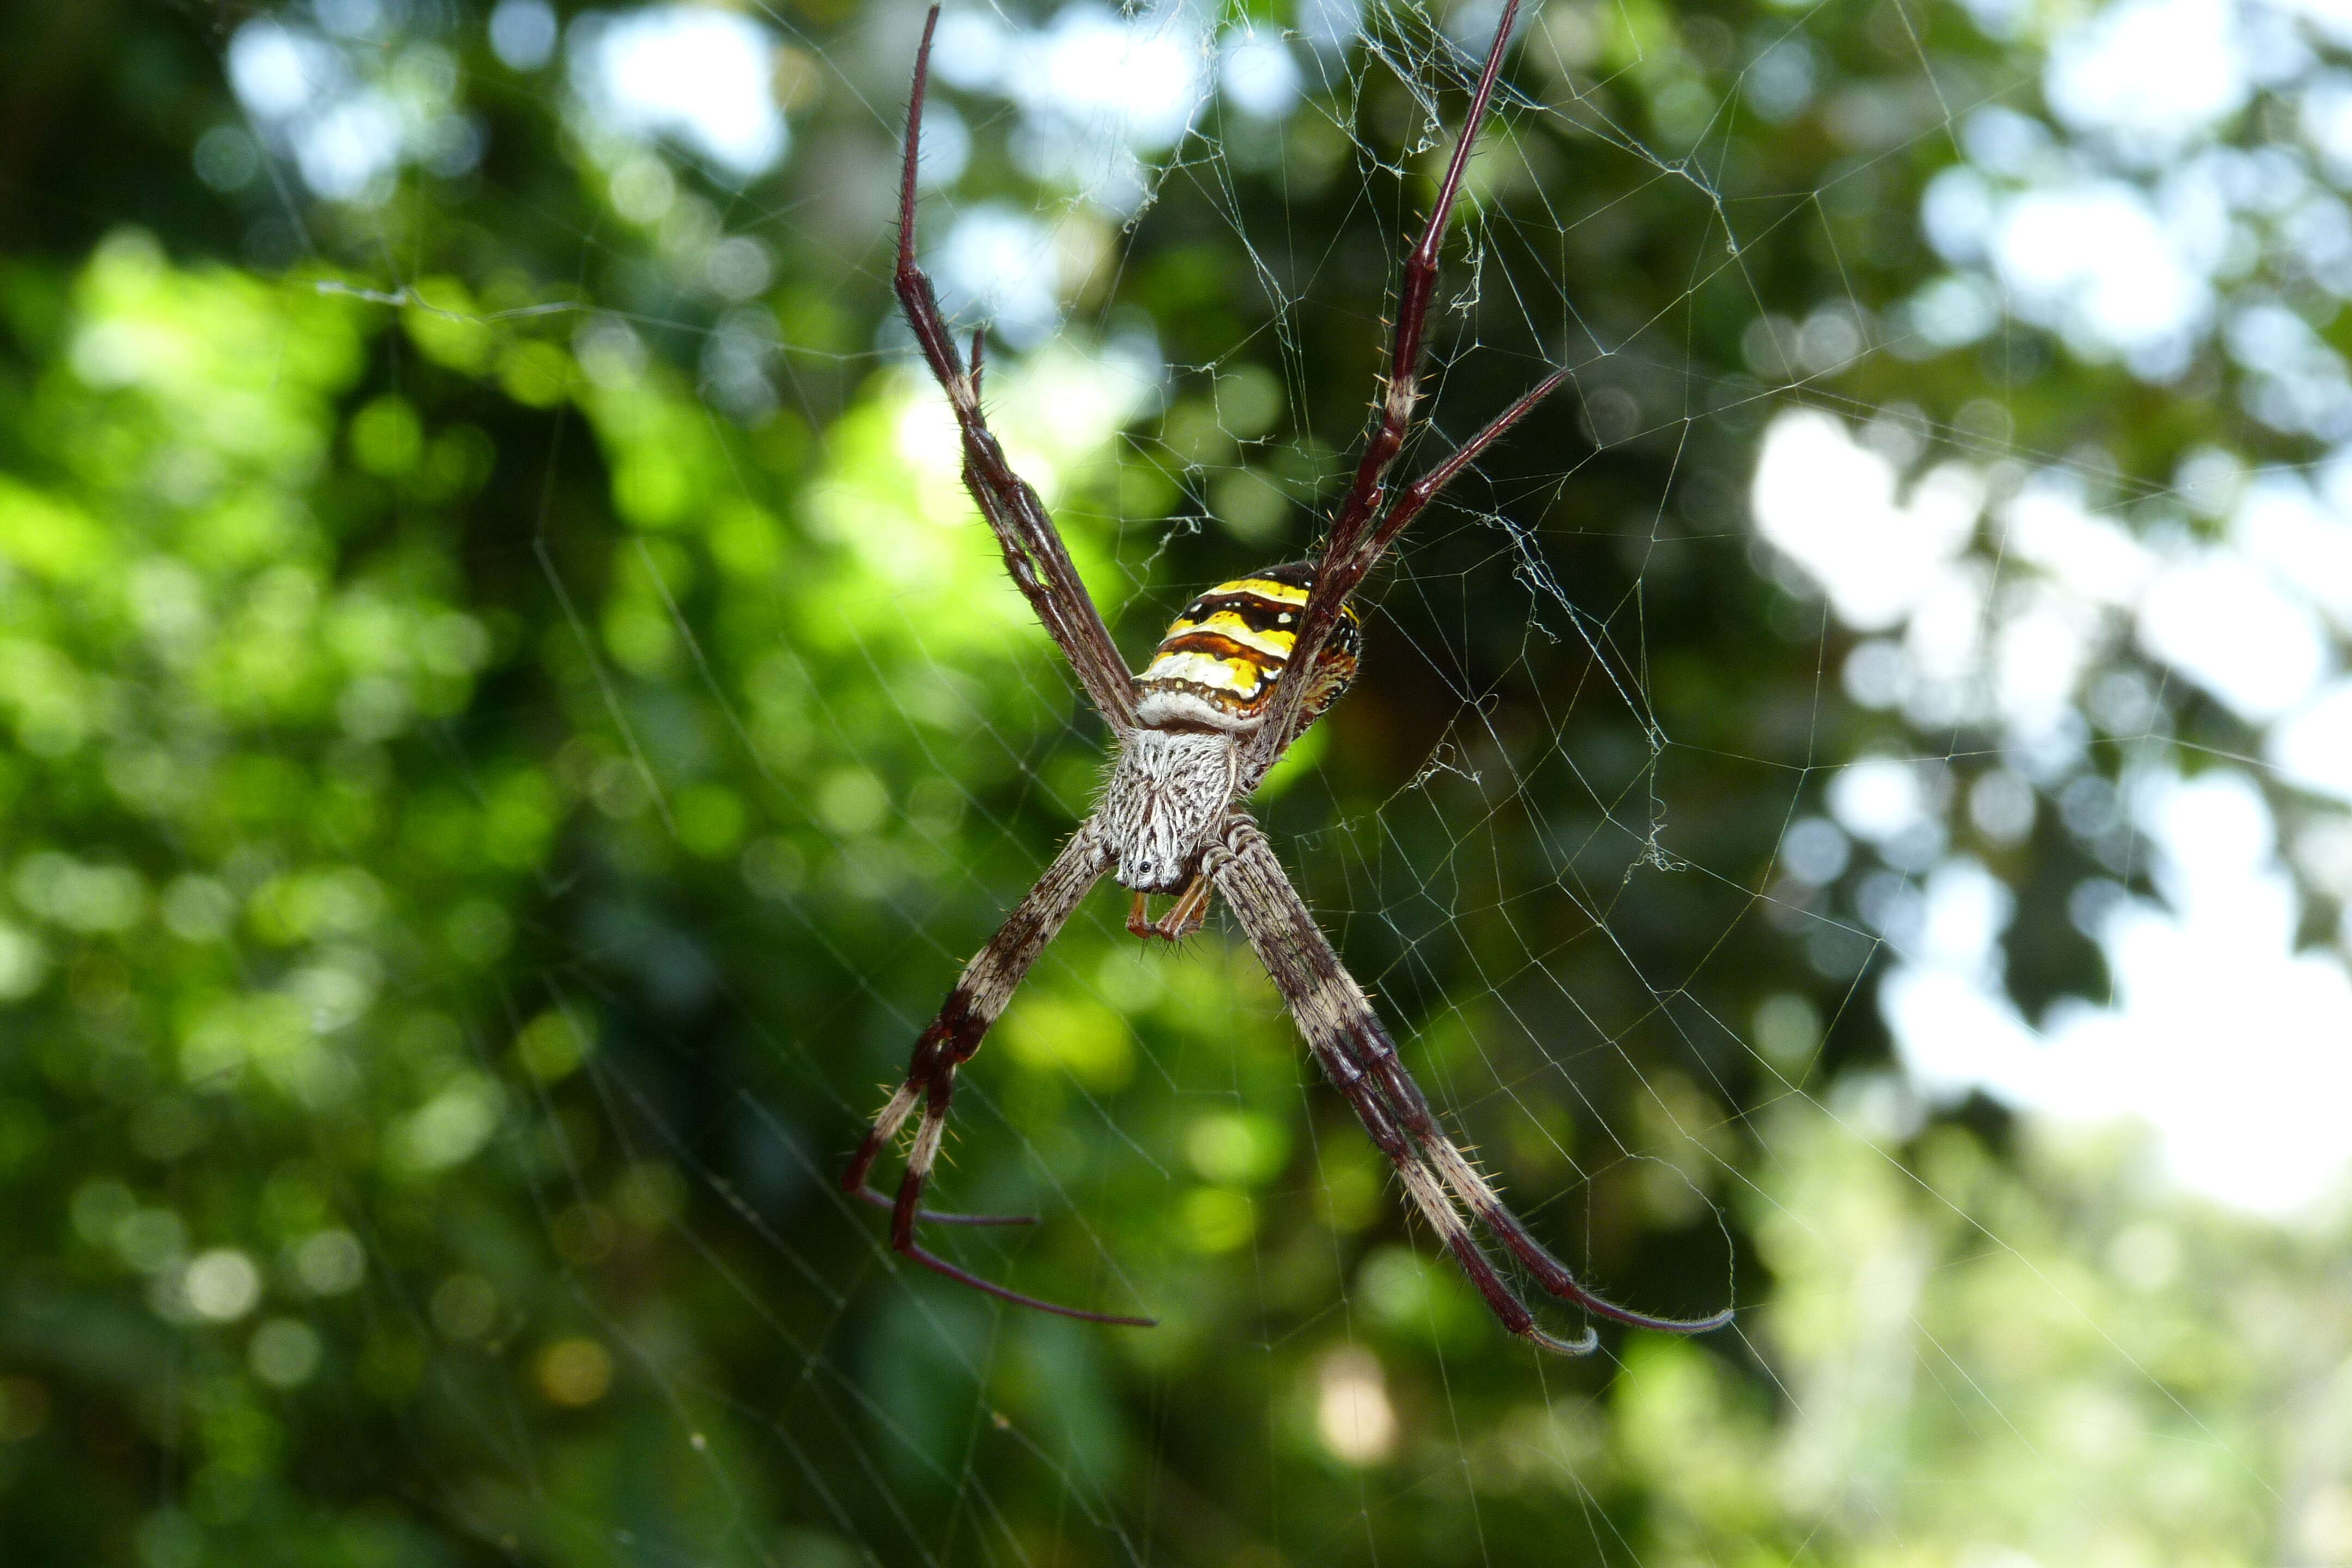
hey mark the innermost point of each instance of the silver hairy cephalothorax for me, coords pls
(1167, 793)
(1239, 677)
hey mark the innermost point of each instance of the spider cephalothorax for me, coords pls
(1241, 673)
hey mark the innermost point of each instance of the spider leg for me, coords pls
(1354, 1050)
(1400, 514)
(893, 1117)
(971, 1007)
(1426, 488)
(1429, 1197)
(1182, 919)
(1033, 552)
(978, 999)
(1350, 552)
(1378, 1055)
(1241, 875)
(886, 1123)
(907, 1211)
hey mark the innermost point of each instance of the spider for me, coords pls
(1240, 675)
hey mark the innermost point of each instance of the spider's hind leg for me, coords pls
(907, 1211)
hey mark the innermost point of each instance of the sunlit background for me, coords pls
(516, 723)
(1994, 590)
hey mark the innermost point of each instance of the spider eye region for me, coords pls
(1216, 666)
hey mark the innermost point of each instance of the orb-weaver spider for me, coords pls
(1197, 732)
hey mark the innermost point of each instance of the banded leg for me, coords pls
(1377, 1054)
(1245, 872)
(986, 984)
(1429, 1197)
(1348, 1041)
(1351, 549)
(1033, 552)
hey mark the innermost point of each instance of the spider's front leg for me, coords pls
(1353, 1048)
(1322, 999)
(980, 995)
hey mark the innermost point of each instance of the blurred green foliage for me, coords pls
(483, 816)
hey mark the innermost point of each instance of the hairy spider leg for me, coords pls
(1424, 489)
(1376, 1053)
(978, 999)
(1033, 552)
(1322, 999)
(1408, 505)
(1401, 392)
(1348, 1039)
(1355, 545)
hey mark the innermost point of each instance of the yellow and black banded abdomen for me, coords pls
(1217, 664)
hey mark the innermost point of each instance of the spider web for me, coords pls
(1787, 945)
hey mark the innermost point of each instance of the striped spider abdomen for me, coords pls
(1216, 666)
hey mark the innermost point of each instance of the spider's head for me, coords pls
(1167, 792)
